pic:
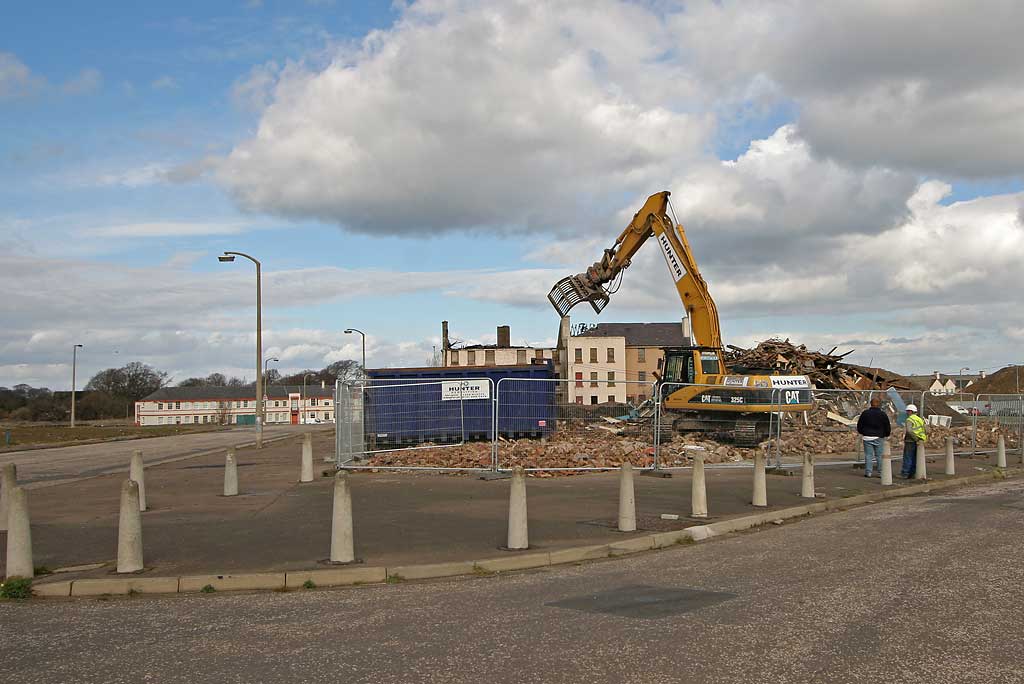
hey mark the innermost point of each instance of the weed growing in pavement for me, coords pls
(208, 589)
(41, 570)
(16, 588)
(481, 572)
(394, 579)
(998, 474)
(684, 541)
(309, 584)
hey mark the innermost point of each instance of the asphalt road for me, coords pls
(44, 467)
(916, 590)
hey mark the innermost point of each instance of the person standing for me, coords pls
(914, 436)
(873, 427)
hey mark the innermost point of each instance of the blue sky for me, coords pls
(397, 165)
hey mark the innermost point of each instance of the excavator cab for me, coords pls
(691, 365)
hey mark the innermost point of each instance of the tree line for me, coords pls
(112, 392)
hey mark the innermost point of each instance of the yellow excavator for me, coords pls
(697, 391)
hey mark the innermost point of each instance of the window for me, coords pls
(312, 402)
(611, 378)
(593, 355)
(470, 358)
(611, 354)
(205, 419)
(521, 356)
(177, 405)
(195, 419)
(579, 379)
(611, 399)
(593, 401)
(454, 358)
(593, 378)
(643, 376)
(641, 355)
(579, 355)
(579, 400)
(177, 420)
(160, 420)
(160, 406)
(245, 404)
(327, 402)
(327, 416)
(489, 357)
(539, 354)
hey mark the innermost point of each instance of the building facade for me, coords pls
(938, 384)
(500, 354)
(235, 406)
(615, 362)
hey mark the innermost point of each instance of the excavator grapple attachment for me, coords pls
(572, 290)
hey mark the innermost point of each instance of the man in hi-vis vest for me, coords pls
(913, 441)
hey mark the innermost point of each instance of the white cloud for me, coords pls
(166, 229)
(16, 79)
(528, 117)
(87, 81)
(165, 83)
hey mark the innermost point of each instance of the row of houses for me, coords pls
(939, 384)
(285, 404)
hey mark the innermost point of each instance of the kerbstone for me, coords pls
(579, 553)
(239, 582)
(432, 570)
(124, 585)
(525, 561)
(52, 589)
(336, 577)
(627, 546)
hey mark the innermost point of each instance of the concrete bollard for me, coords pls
(8, 481)
(342, 549)
(230, 474)
(950, 457)
(306, 473)
(807, 478)
(627, 499)
(1001, 452)
(129, 530)
(760, 483)
(518, 534)
(886, 474)
(19, 535)
(698, 488)
(921, 463)
(137, 473)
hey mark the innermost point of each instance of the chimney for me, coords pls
(504, 337)
(445, 344)
(938, 375)
(323, 384)
(982, 375)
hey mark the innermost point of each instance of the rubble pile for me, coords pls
(825, 370)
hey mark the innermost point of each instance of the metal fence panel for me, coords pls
(999, 414)
(551, 425)
(388, 416)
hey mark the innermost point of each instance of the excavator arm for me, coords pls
(651, 220)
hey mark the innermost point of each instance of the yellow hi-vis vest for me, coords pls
(915, 428)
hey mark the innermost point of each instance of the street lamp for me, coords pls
(74, 369)
(302, 408)
(228, 257)
(961, 373)
(349, 331)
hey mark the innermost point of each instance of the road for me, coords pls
(914, 590)
(45, 467)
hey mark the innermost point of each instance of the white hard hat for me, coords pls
(912, 407)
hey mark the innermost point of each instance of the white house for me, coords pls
(235, 405)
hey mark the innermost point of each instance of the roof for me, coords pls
(211, 392)
(641, 334)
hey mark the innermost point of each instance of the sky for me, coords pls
(848, 175)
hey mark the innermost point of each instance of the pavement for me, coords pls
(923, 589)
(277, 524)
(45, 467)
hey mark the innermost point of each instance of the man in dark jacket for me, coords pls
(874, 428)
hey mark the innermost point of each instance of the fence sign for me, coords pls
(455, 390)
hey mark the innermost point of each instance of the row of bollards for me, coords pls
(14, 516)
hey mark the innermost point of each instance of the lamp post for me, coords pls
(362, 335)
(260, 409)
(302, 408)
(266, 383)
(961, 373)
(74, 369)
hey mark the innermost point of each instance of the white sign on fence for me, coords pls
(454, 390)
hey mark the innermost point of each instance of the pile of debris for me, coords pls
(826, 370)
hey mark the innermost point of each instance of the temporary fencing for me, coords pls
(386, 416)
(582, 424)
(589, 424)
